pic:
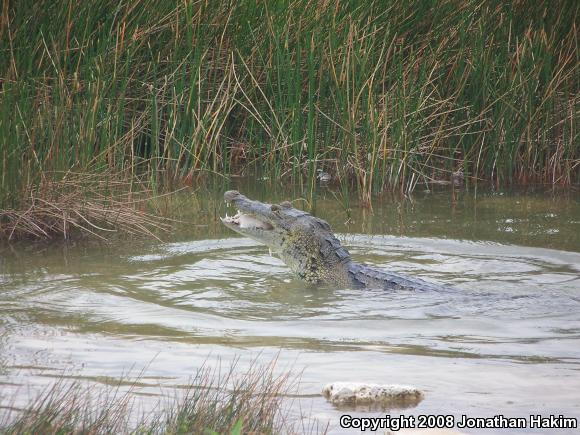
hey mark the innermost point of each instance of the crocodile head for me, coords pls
(304, 242)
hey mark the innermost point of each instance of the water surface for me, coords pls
(506, 342)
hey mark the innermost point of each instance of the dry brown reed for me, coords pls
(96, 205)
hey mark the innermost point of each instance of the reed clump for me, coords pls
(214, 402)
(81, 205)
(380, 94)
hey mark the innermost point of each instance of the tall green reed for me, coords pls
(381, 94)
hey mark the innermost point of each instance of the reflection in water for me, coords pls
(509, 335)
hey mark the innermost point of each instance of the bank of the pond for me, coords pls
(379, 95)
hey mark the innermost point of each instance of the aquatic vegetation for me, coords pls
(214, 402)
(379, 95)
(95, 205)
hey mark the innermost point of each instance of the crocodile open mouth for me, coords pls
(243, 220)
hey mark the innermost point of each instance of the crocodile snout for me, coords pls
(230, 195)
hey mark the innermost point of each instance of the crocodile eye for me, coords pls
(275, 207)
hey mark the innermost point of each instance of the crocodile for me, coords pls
(308, 246)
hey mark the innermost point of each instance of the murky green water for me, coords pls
(508, 342)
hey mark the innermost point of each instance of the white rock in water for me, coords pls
(358, 393)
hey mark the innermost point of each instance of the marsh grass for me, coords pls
(216, 401)
(381, 94)
(79, 205)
